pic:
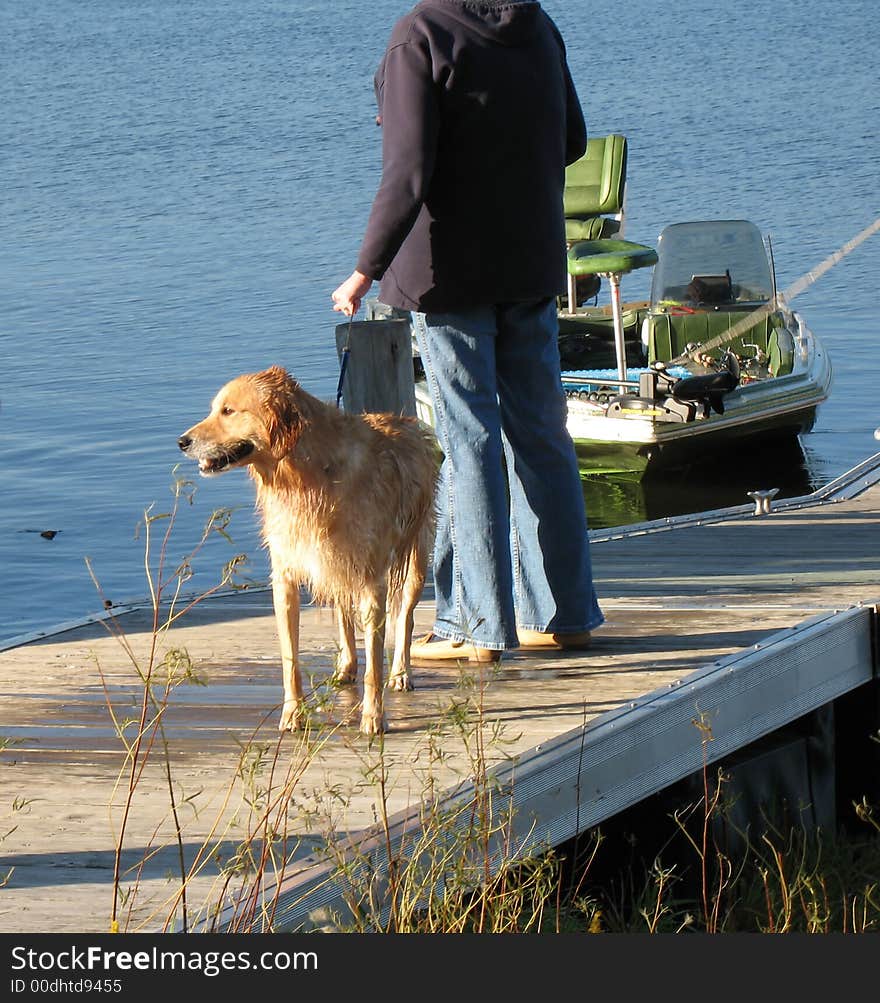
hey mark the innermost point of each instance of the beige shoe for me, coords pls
(539, 639)
(433, 649)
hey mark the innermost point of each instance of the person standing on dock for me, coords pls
(479, 119)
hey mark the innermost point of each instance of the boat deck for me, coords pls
(753, 620)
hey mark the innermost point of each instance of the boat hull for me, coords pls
(756, 414)
(759, 414)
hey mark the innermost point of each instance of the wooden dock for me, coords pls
(745, 621)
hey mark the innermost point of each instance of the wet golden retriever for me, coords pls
(347, 509)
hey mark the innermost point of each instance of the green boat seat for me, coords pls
(595, 191)
(593, 200)
(593, 228)
(595, 185)
(669, 334)
(611, 258)
(607, 257)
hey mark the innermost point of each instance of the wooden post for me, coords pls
(379, 371)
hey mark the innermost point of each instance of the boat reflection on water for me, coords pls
(623, 497)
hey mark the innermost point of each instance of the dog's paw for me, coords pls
(401, 682)
(373, 724)
(293, 717)
(344, 676)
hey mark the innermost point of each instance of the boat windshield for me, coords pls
(712, 263)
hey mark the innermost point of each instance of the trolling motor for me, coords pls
(673, 398)
(709, 390)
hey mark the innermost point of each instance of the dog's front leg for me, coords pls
(285, 599)
(373, 614)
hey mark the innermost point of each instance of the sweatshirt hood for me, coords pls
(506, 22)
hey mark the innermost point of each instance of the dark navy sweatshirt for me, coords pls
(479, 120)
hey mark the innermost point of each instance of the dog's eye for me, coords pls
(226, 410)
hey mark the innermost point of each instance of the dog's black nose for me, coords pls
(184, 442)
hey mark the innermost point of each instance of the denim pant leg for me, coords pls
(473, 576)
(553, 578)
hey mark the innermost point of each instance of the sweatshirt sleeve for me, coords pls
(409, 109)
(576, 127)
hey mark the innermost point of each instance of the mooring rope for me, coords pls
(795, 289)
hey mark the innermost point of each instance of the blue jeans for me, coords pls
(512, 547)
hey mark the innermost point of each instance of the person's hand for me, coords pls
(347, 297)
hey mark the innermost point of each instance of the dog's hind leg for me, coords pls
(403, 606)
(346, 660)
(285, 599)
(373, 613)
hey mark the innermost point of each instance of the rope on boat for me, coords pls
(795, 289)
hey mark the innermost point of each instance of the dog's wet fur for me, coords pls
(347, 510)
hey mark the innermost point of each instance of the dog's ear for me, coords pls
(283, 419)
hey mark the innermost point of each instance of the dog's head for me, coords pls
(253, 420)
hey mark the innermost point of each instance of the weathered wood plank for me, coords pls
(379, 371)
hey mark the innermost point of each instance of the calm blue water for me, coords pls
(183, 185)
